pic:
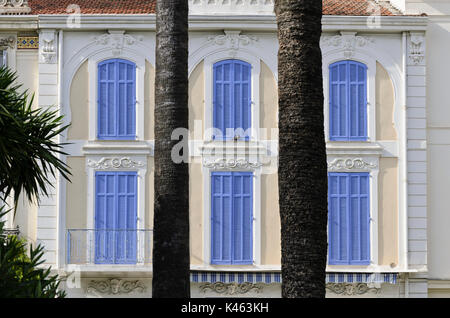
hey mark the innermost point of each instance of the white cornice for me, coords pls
(230, 22)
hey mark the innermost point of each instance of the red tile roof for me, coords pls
(330, 7)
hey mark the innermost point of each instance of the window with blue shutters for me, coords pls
(116, 100)
(348, 219)
(348, 101)
(231, 218)
(232, 99)
(115, 217)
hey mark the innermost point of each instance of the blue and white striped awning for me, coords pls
(390, 278)
(275, 277)
(226, 277)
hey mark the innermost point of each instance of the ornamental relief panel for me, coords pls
(232, 288)
(115, 286)
(349, 42)
(351, 164)
(115, 163)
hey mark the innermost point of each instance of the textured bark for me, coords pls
(171, 209)
(302, 156)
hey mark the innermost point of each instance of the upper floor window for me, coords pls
(232, 218)
(232, 99)
(348, 218)
(117, 100)
(348, 101)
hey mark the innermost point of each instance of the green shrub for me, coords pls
(20, 274)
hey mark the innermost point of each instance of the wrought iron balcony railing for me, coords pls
(88, 247)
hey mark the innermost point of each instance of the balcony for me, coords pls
(109, 247)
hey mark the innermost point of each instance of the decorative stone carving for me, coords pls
(232, 288)
(14, 6)
(8, 42)
(350, 164)
(348, 41)
(416, 48)
(224, 163)
(48, 47)
(115, 163)
(116, 40)
(115, 286)
(264, 7)
(349, 289)
(232, 40)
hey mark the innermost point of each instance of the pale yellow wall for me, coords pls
(76, 200)
(270, 221)
(149, 102)
(79, 105)
(196, 97)
(196, 191)
(268, 100)
(385, 101)
(27, 72)
(388, 211)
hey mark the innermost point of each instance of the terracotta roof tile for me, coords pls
(330, 7)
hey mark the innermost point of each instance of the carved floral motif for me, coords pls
(14, 6)
(115, 163)
(231, 164)
(117, 40)
(232, 288)
(115, 286)
(349, 289)
(416, 48)
(348, 41)
(350, 164)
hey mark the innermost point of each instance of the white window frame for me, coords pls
(373, 171)
(141, 170)
(93, 90)
(209, 62)
(257, 173)
(371, 64)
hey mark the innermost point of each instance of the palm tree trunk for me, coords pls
(302, 156)
(171, 209)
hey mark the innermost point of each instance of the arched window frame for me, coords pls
(132, 99)
(355, 120)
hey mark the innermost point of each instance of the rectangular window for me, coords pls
(348, 218)
(231, 218)
(115, 217)
(348, 101)
(117, 100)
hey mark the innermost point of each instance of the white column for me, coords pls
(417, 162)
(48, 99)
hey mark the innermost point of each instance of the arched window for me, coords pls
(117, 100)
(348, 101)
(232, 99)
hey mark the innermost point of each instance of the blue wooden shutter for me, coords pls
(348, 101)
(107, 99)
(221, 217)
(115, 217)
(242, 218)
(126, 218)
(105, 204)
(117, 100)
(348, 219)
(231, 218)
(231, 98)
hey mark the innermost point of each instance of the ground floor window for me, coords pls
(348, 218)
(232, 218)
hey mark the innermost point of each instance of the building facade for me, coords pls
(385, 124)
